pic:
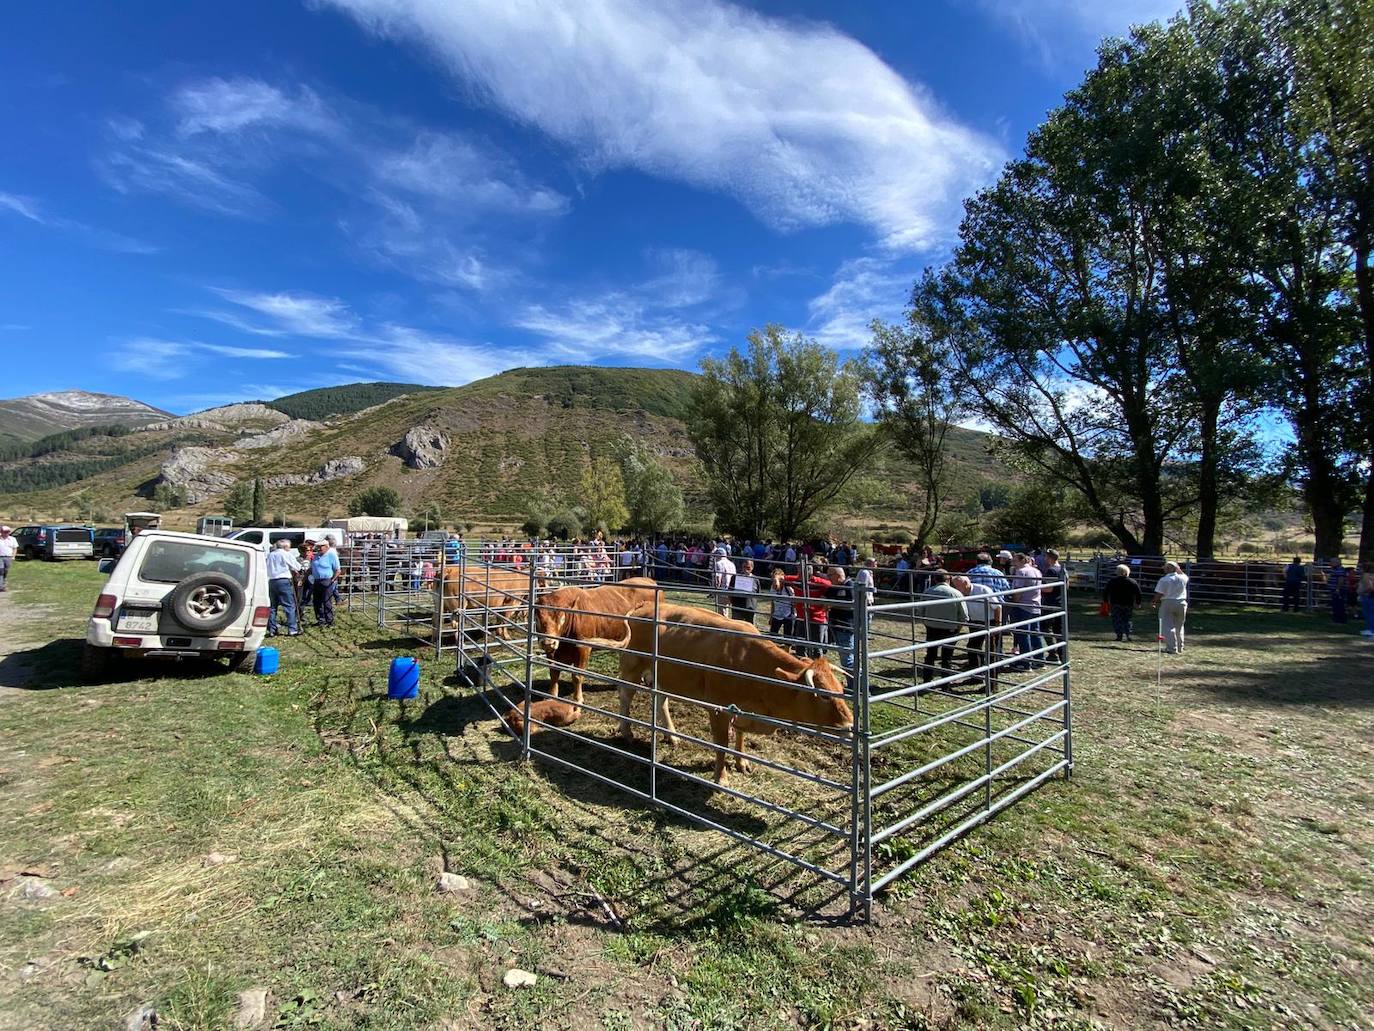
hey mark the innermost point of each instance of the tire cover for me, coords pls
(207, 602)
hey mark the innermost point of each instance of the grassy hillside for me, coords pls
(324, 402)
(518, 436)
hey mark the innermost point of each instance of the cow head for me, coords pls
(551, 621)
(826, 709)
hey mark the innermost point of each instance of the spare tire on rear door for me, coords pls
(207, 602)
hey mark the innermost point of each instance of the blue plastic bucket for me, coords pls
(403, 681)
(266, 661)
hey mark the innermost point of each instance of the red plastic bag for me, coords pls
(1104, 609)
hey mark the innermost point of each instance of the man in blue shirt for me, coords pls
(1294, 576)
(324, 572)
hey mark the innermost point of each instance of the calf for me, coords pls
(694, 635)
(547, 710)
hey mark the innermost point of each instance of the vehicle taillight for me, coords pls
(260, 615)
(105, 606)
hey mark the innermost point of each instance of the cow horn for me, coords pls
(810, 677)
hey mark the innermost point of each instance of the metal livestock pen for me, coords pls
(920, 751)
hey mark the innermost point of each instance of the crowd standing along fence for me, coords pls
(850, 733)
(1238, 583)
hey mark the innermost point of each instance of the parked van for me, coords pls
(267, 536)
(56, 541)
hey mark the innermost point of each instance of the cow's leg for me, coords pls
(720, 734)
(741, 763)
(626, 694)
(581, 656)
(665, 723)
(554, 674)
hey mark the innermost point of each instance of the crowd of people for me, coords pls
(296, 576)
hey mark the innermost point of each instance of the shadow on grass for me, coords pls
(57, 664)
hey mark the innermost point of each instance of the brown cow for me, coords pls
(572, 620)
(474, 586)
(694, 635)
(549, 710)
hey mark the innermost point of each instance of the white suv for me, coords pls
(182, 594)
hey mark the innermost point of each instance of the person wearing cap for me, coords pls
(722, 579)
(282, 567)
(9, 547)
(1171, 599)
(324, 571)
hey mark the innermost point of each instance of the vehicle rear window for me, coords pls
(170, 562)
(74, 535)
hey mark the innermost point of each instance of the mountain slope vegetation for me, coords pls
(323, 402)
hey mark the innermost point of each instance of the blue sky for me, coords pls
(206, 202)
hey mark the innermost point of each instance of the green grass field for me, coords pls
(172, 838)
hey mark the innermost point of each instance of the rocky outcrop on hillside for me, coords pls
(422, 447)
(287, 431)
(334, 469)
(197, 472)
(232, 415)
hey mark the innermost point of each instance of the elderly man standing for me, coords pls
(282, 567)
(324, 572)
(9, 547)
(1171, 599)
(722, 579)
(944, 619)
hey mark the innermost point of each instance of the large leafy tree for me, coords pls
(778, 431)
(1332, 49)
(909, 375)
(601, 491)
(376, 501)
(652, 496)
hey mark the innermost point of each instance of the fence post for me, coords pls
(988, 689)
(653, 704)
(1068, 697)
(381, 585)
(529, 660)
(862, 861)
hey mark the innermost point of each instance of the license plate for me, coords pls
(138, 619)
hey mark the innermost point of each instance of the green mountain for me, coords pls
(324, 402)
(481, 453)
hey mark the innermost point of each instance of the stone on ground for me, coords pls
(251, 1010)
(517, 978)
(450, 883)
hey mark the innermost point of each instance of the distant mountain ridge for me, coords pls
(39, 415)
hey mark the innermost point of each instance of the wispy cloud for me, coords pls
(455, 169)
(290, 314)
(172, 359)
(803, 124)
(229, 106)
(863, 289)
(1056, 30)
(186, 178)
(24, 206)
(415, 356)
(31, 209)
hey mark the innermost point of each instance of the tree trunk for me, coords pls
(1364, 293)
(1367, 523)
(1207, 483)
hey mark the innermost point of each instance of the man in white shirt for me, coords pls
(1171, 598)
(984, 613)
(9, 547)
(282, 567)
(722, 579)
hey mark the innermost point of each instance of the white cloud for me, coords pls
(230, 351)
(1049, 26)
(29, 208)
(174, 359)
(292, 314)
(448, 167)
(234, 105)
(615, 325)
(24, 206)
(806, 126)
(418, 357)
(863, 289)
(185, 177)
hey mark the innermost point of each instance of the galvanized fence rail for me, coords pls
(853, 735)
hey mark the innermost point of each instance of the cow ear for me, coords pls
(783, 674)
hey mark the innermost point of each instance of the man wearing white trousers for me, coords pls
(1171, 598)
